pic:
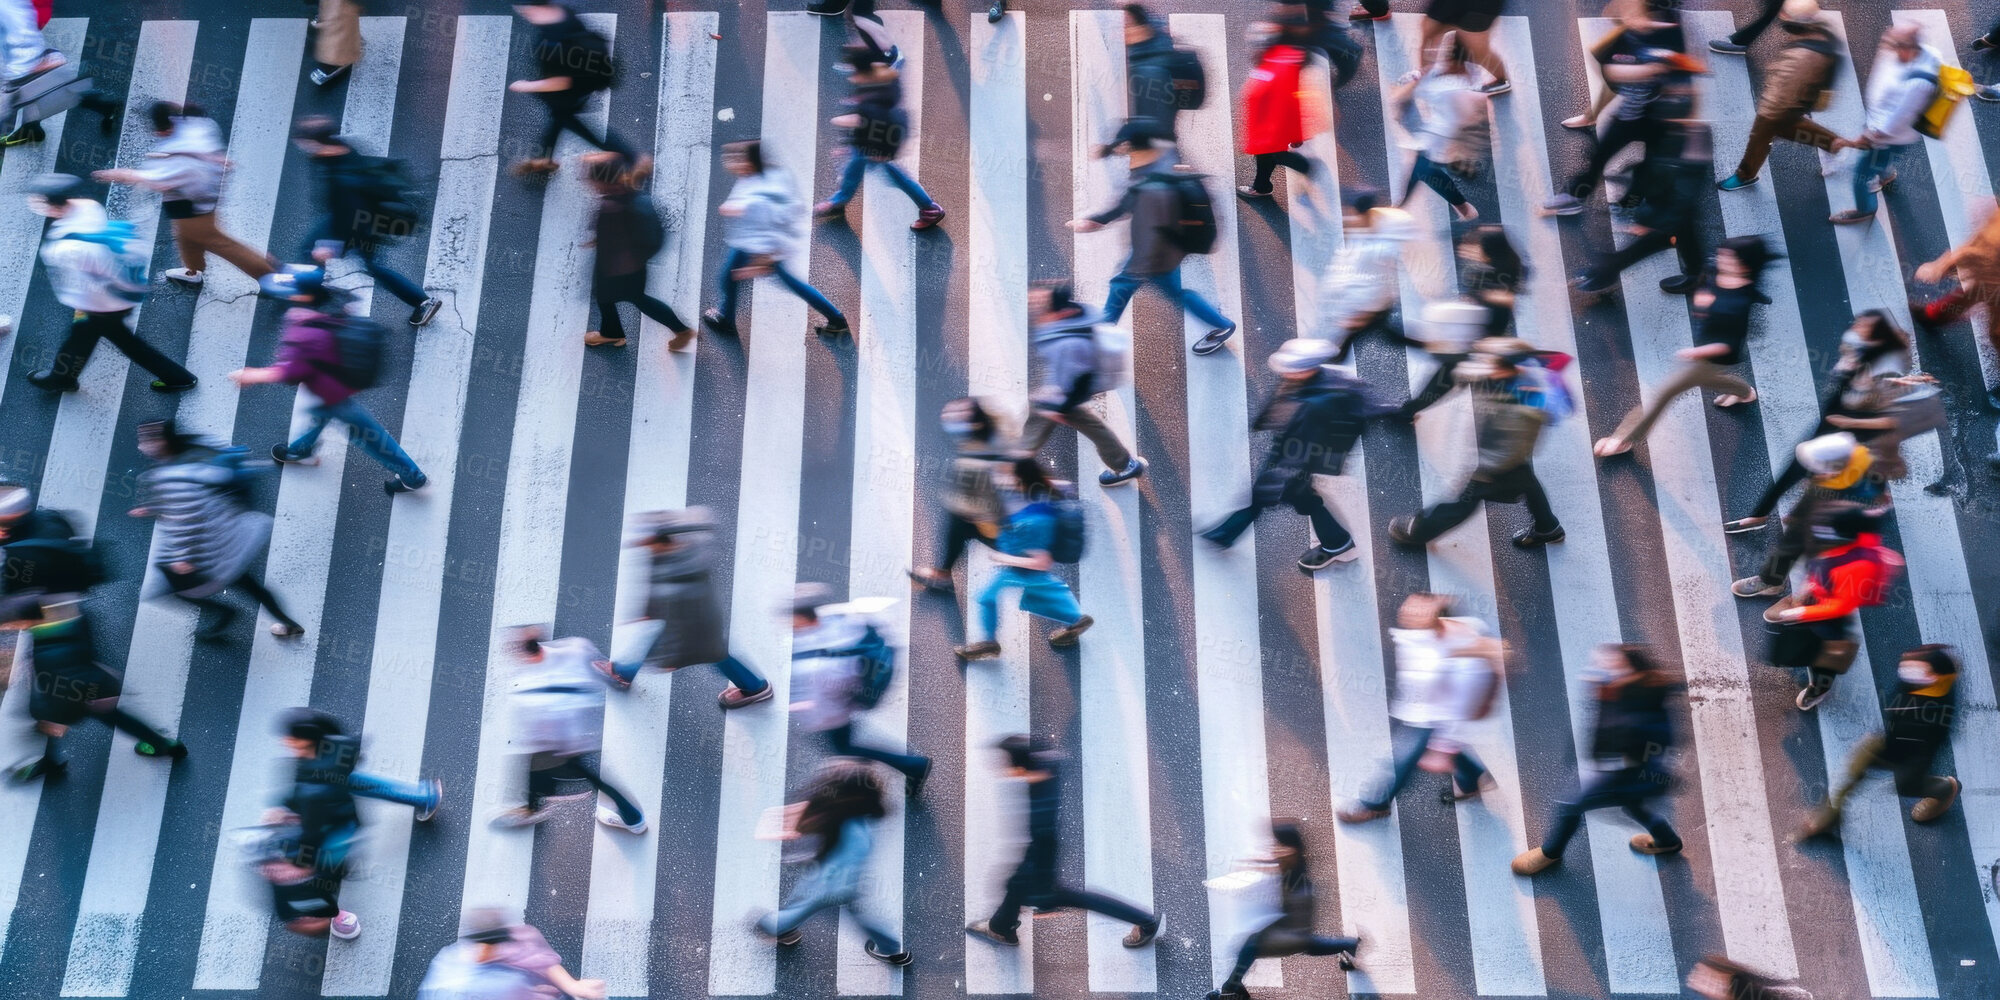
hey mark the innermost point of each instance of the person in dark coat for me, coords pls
(1670, 183)
(353, 217)
(973, 508)
(683, 612)
(1318, 414)
(876, 126)
(1292, 933)
(627, 235)
(1149, 78)
(574, 63)
(1034, 881)
(1916, 723)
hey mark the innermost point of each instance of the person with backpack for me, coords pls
(972, 505)
(366, 204)
(97, 268)
(320, 820)
(876, 126)
(333, 354)
(1797, 82)
(556, 711)
(1154, 72)
(1067, 337)
(1721, 310)
(1510, 406)
(1719, 978)
(1171, 218)
(208, 536)
(1279, 114)
(575, 62)
(627, 234)
(1451, 121)
(1033, 883)
(1916, 724)
(1818, 624)
(1448, 672)
(762, 219)
(497, 957)
(1844, 476)
(1900, 89)
(1042, 523)
(328, 755)
(304, 900)
(1628, 758)
(841, 664)
(1319, 414)
(185, 168)
(1294, 931)
(838, 818)
(1643, 59)
(1492, 274)
(683, 611)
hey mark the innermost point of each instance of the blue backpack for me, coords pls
(874, 665)
(1066, 543)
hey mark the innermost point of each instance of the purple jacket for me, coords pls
(308, 354)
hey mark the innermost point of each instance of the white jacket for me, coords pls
(98, 273)
(187, 164)
(1362, 277)
(772, 218)
(1437, 683)
(557, 705)
(1898, 92)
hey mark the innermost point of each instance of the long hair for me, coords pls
(1290, 833)
(1883, 335)
(844, 790)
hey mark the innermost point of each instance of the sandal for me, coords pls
(1607, 447)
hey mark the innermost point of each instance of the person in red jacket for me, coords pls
(1852, 573)
(1278, 113)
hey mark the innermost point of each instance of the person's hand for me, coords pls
(241, 376)
(1931, 272)
(182, 567)
(587, 989)
(102, 176)
(1689, 354)
(1791, 614)
(729, 210)
(322, 254)
(1843, 422)
(846, 121)
(1410, 77)
(139, 512)
(522, 86)
(1084, 226)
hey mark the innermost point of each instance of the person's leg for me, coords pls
(1246, 956)
(81, 342)
(813, 296)
(1479, 44)
(1595, 793)
(377, 441)
(139, 729)
(626, 810)
(1048, 596)
(957, 533)
(1319, 946)
(1267, 164)
(1466, 770)
(317, 418)
(1440, 383)
(1806, 131)
(1437, 179)
(1537, 500)
(1097, 902)
(655, 310)
(908, 184)
(1233, 526)
(249, 584)
(725, 283)
(375, 786)
(1407, 743)
(989, 607)
(1768, 501)
(1445, 516)
(392, 281)
(1749, 32)
(737, 672)
(237, 253)
(841, 739)
(1006, 917)
(1110, 450)
(1662, 832)
(187, 238)
(1873, 163)
(1762, 131)
(1122, 285)
(1307, 501)
(21, 42)
(1617, 136)
(1793, 538)
(1293, 160)
(851, 173)
(1191, 300)
(145, 355)
(609, 326)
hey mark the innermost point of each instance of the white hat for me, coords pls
(1828, 453)
(1301, 354)
(15, 500)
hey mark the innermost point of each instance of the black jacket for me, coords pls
(1317, 423)
(883, 121)
(1037, 871)
(1633, 728)
(1915, 725)
(346, 192)
(1149, 82)
(1674, 177)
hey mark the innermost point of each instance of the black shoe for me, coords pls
(827, 8)
(49, 381)
(997, 11)
(108, 121)
(714, 320)
(980, 928)
(834, 330)
(283, 456)
(53, 770)
(421, 315)
(1229, 991)
(1141, 935)
(160, 385)
(327, 77)
(1133, 470)
(1213, 340)
(913, 786)
(1679, 284)
(1529, 538)
(1402, 530)
(401, 485)
(1320, 557)
(31, 132)
(1984, 44)
(1592, 281)
(899, 958)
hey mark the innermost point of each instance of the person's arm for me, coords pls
(544, 86)
(1702, 351)
(1118, 211)
(257, 376)
(581, 989)
(1911, 100)
(1036, 560)
(1852, 586)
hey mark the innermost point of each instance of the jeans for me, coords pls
(1168, 282)
(1409, 743)
(1033, 888)
(611, 290)
(542, 783)
(408, 793)
(1437, 177)
(1518, 484)
(564, 106)
(1265, 944)
(841, 740)
(652, 629)
(1685, 239)
(1041, 423)
(391, 280)
(88, 328)
(119, 719)
(363, 430)
(726, 287)
(1299, 493)
(857, 165)
(1268, 164)
(1874, 163)
(1626, 789)
(1042, 593)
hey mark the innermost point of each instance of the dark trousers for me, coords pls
(1910, 765)
(1376, 7)
(1302, 498)
(88, 328)
(1685, 241)
(1513, 486)
(542, 784)
(613, 289)
(841, 740)
(249, 584)
(1439, 179)
(1265, 944)
(1440, 383)
(1268, 164)
(1030, 888)
(958, 533)
(564, 106)
(1407, 745)
(119, 719)
(1628, 790)
(1749, 32)
(1617, 135)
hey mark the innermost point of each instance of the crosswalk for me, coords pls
(1217, 689)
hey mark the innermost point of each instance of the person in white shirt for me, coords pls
(1450, 110)
(186, 168)
(1900, 87)
(556, 699)
(1447, 673)
(1362, 283)
(827, 643)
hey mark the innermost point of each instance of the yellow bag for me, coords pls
(1954, 86)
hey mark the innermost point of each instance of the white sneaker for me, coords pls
(346, 926)
(183, 276)
(6, 324)
(609, 817)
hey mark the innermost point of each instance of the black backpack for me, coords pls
(391, 197)
(590, 64)
(1066, 543)
(1194, 215)
(358, 342)
(1190, 79)
(649, 233)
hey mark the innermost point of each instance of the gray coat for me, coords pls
(1155, 209)
(683, 599)
(204, 518)
(1068, 356)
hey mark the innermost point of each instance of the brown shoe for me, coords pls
(540, 166)
(1822, 822)
(1069, 634)
(1533, 862)
(1359, 814)
(681, 340)
(978, 650)
(1930, 809)
(1645, 844)
(595, 339)
(733, 696)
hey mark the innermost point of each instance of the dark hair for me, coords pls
(1139, 13)
(1031, 480)
(1290, 833)
(1509, 270)
(317, 128)
(844, 790)
(982, 421)
(308, 724)
(1882, 332)
(752, 152)
(1936, 654)
(164, 113)
(1062, 297)
(1637, 656)
(1855, 522)
(1752, 251)
(529, 641)
(1029, 753)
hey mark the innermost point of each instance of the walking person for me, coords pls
(305, 900)
(37, 82)
(1293, 932)
(627, 234)
(575, 62)
(1473, 22)
(1319, 414)
(362, 211)
(208, 536)
(1818, 624)
(1509, 409)
(1028, 541)
(1900, 87)
(327, 755)
(186, 168)
(1644, 60)
(556, 703)
(1149, 72)
(1628, 749)
(336, 40)
(1279, 114)
(683, 624)
(876, 126)
(69, 683)
(1916, 724)
(310, 356)
(1064, 335)
(97, 268)
(1721, 310)
(1670, 184)
(319, 808)
(499, 958)
(762, 219)
(1448, 672)
(1154, 200)
(1492, 274)
(972, 505)
(1740, 40)
(1363, 281)
(1718, 978)
(1449, 111)
(831, 648)
(838, 818)
(1976, 265)
(1797, 82)
(1033, 882)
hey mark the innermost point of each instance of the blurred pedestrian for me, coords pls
(1628, 757)
(1149, 72)
(327, 755)
(876, 127)
(1644, 60)
(362, 201)
(1029, 541)
(1740, 40)
(1669, 183)
(836, 649)
(499, 958)
(337, 42)
(1293, 932)
(1916, 724)
(305, 900)
(972, 506)
(1818, 623)
(683, 622)
(1797, 82)
(1900, 87)
(574, 62)
(1492, 273)
(839, 819)
(762, 218)
(1065, 337)
(185, 168)
(556, 703)
(1279, 113)
(1451, 113)
(627, 234)
(1034, 880)
(1718, 978)
(1363, 281)
(1976, 265)
(1473, 21)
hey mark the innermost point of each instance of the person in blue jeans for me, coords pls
(761, 220)
(839, 817)
(357, 219)
(328, 756)
(1900, 87)
(309, 356)
(684, 624)
(1026, 537)
(876, 126)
